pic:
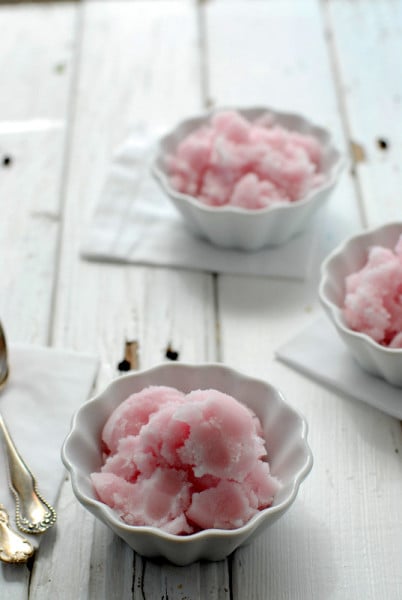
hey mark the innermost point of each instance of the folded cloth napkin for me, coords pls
(319, 353)
(45, 388)
(135, 223)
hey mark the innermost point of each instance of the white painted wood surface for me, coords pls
(76, 79)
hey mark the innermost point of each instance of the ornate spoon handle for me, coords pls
(32, 513)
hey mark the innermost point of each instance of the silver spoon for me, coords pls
(33, 514)
(13, 547)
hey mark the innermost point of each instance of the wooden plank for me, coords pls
(369, 65)
(332, 542)
(295, 75)
(161, 580)
(33, 109)
(63, 564)
(149, 77)
(143, 49)
(35, 57)
(35, 75)
(110, 555)
(259, 61)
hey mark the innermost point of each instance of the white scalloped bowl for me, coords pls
(240, 228)
(286, 437)
(348, 258)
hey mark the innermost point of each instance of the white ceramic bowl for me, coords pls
(348, 258)
(245, 229)
(288, 453)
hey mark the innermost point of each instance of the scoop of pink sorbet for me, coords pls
(373, 299)
(252, 165)
(184, 462)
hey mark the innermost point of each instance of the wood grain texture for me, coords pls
(33, 113)
(367, 46)
(84, 76)
(158, 579)
(134, 73)
(324, 547)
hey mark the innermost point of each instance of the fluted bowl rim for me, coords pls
(300, 123)
(84, 434)
(345, 251)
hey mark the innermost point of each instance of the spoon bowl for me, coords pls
(13, 547)
(4, 370)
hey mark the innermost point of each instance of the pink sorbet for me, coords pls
(373, 299)
(251, 165)
(184, 463)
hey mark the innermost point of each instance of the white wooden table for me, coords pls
(75, 78)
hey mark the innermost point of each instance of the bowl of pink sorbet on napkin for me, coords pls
(187, 462)
(361, 292)
(247, 178)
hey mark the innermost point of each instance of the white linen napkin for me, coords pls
(319, 353)
(135, 223)
(45, 388)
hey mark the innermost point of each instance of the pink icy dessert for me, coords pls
(252, 165)
(184, 462)
(373, 300)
